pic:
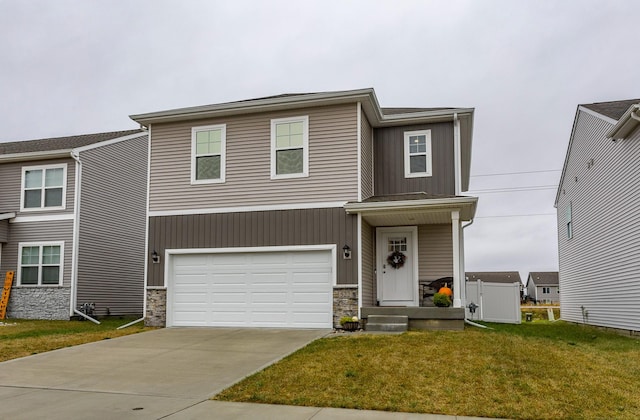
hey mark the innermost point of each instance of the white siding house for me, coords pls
(598, 216)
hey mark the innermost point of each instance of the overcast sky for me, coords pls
(77, 67)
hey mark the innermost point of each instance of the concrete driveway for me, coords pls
(142, 376)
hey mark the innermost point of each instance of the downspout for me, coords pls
(76, 234)
(465, 285)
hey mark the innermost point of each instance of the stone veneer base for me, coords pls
(39, 303)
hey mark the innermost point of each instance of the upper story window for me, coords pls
(417, 153)
(569, 222)
(290, 147)
(43, 187)
(208, 147)
(40, 264)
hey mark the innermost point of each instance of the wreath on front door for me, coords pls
(396, 259)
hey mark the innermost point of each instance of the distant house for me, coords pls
(72, 224)
(496, 277)
(543, 287)
(598, 216)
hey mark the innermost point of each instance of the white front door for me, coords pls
(397, 266)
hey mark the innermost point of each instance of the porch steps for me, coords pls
(387, 323)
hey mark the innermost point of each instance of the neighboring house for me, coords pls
(598, 213)
(543, 287)
(293, 210)
(72, 224)
(497, 277)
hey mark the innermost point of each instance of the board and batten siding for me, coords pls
(112, 227)
(366, 157)
(332, 162)
(256, 229)
(11, 186)
(56, 231)
(389, 161)
(600, 264)
(4, 232)
(369, 286)
(435, 252)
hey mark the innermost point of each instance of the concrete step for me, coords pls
(386, 327)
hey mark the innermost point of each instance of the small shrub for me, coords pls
(441, 300)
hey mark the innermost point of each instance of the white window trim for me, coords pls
(407, 155)
(40, 244)
(305, 147)
(223, 153)
(44, 168)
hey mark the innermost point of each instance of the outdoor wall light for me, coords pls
(155, 258)
(346, 252)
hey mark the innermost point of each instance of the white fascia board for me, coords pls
(257, 105)
(626, 124)
(43, 218)
(109, 142)
(596, 114)
(47, 154)
(409, 204)
(5, 216)
(293, 206)
(566, 156)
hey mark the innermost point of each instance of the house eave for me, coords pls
(6, 216)
(627, 124)
(465, 205)
(47, 154)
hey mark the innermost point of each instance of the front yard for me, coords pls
(537, 370)
(19, 338)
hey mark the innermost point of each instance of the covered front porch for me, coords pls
(409, 243)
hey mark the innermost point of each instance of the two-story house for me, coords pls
(72, 224)
(598, 216)
(293, 210)
(543, 287)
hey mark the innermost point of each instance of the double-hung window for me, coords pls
(43, 187)
(208, 149)
(40, 264)
(417, 154)
(290, 147)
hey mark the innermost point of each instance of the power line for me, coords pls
(514, 189)
(515, 215)
(518, 173)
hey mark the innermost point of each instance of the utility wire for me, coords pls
(516, 215)
(518, 173)
(514, 189)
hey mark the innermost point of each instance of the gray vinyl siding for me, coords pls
(389, 161)
(11, 186)
(56, 231)
(112, 227)
(435, 252)
(256, 229)
(332, 162)
(4, 230)
(369, 286)
(366, 151)
(600, 265)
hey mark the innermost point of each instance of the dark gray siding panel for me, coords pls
(256, 229)
(389, 161)
(4, 231)
(112, 227)
(369, 286)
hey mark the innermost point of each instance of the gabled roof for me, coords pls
(612, 109)
(377, 116)
(494, 276)
(544, 278)
(57, 146)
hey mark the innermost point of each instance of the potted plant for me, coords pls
(441, 300)
(350, 323)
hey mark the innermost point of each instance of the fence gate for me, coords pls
(497, 302)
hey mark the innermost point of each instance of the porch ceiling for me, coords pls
(408, 211)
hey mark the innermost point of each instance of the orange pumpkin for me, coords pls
(445, 290)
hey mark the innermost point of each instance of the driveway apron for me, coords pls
(147, 375)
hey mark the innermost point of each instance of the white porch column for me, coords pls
(458, 283)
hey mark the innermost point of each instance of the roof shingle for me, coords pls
(613, 109)
(61, 143)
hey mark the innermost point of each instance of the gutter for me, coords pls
(49, 154)
(76, 234)
(627, 124)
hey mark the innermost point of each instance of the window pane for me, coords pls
(208, 167)
(295, 128)
(32, 199)
(282, 141)
(53, 177)
(202, 146)
(289, 162)
(29, 275)
(31, 255)
(418, 164)
(33, 179)
(296, 140)
(51, 275)
(53, 197)
(417, 144)
(282, 130)
(51, 255)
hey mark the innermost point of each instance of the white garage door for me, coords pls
(291, 289)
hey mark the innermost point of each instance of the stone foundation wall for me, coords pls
(345, 303)
(156, 315)
(39, 303)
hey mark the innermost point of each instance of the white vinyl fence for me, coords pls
(497, 302)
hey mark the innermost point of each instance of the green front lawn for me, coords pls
(19, 338)
(536, 370)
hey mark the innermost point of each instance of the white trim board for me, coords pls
(43, 218)
(292, 206)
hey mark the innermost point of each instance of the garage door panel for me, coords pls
(263, 289)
